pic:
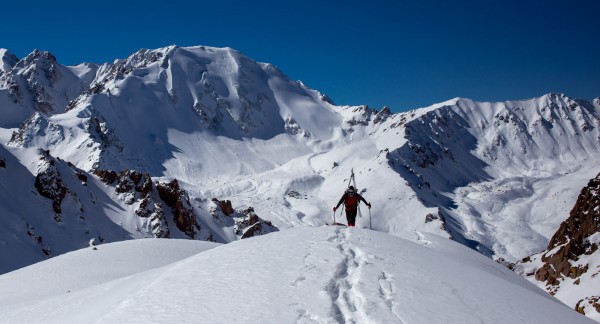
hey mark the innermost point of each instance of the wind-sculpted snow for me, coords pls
(319, 275)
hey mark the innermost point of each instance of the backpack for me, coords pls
(351, 202)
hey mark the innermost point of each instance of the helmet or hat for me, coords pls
(351, 189)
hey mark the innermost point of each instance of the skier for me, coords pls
(351, 199)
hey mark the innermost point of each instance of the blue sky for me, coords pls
(403, 54)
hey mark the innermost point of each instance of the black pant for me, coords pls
(351, 216)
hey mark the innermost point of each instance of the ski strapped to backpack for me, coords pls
(352, 184)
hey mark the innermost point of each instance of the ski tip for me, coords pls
(336, 224)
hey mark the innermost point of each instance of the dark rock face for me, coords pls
(583, 221)
(179, 201)
(225, 206)
(570, 242)
(430, 218)
(246, 223)
(49, 183)
(159, 201)
(137, 187)
(38, 239)
(251, 225)
(46, 71)
(2, 163)
(108, 177)
(589, 304)
(127, 180)
(134, 180)
(82, 176)
(101, 133)
(382, 115)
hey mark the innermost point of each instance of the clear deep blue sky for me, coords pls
(403, 54)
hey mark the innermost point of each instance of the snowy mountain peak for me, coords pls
(7, 60)
(37, 55)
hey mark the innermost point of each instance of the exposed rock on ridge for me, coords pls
(245, 222)
(571, 241)
(570, 259)
(48, 182)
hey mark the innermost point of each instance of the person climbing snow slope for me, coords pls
(351, 199)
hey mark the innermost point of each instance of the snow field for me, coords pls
(327, 274)
(89, 267)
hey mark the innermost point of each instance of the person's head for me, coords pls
(351, 191)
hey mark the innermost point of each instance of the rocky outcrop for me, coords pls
(588, 304)
(246, 222)
(102, 134)
(159, 202)
(252, 225)
(382, 115)
(570, 242)
(570, 262)
(39, 82)
(44, 75)
(38, 239)
(134, 180)
(225, 206)
(179, 201)
(128, 181)
(106, 176)
(158, 222)
(2, 163)
(362, 116)
(136, 188)
(35, 125)
(49, 183)
(439, 217)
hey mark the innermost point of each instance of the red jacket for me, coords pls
(351, 202)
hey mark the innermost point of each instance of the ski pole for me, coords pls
(370, 219)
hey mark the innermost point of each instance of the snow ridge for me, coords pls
(326, 275)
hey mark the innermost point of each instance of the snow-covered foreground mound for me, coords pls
(318, 275)
(87, 267)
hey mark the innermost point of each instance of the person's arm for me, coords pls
(340, 202)
(363, 199)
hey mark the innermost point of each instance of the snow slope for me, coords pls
(316, 275)
(94, 266)
(504, 174)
